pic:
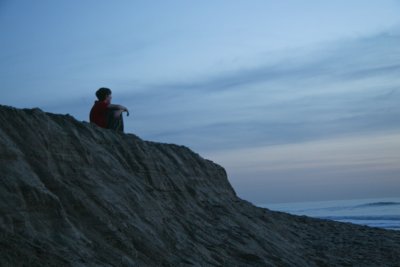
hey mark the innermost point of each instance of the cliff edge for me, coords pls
(73, 194)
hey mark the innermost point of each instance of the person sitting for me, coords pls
(107, 115)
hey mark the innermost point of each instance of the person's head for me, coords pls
(103, 94)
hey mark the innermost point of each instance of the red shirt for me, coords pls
(98, 114)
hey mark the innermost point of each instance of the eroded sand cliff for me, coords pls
(73, 194)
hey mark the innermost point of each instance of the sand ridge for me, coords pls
(73, 194)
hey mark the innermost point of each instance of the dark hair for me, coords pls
(102, 93)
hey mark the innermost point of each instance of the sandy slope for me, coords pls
(76, 195)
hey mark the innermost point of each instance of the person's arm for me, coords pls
(119, 108)
(114, 106)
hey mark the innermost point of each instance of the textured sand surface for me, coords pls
(73, 194)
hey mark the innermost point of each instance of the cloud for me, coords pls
(344, 88)
(336, 168)
(351, 87)
(354, 151)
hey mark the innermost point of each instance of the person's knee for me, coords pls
(117, 114)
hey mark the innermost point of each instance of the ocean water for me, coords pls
(379, 212)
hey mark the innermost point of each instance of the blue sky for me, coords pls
(298, 100)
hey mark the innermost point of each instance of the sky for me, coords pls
(297, 100)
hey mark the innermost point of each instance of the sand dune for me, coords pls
(73, 194)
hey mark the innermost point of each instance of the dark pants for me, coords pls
(115, 123)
